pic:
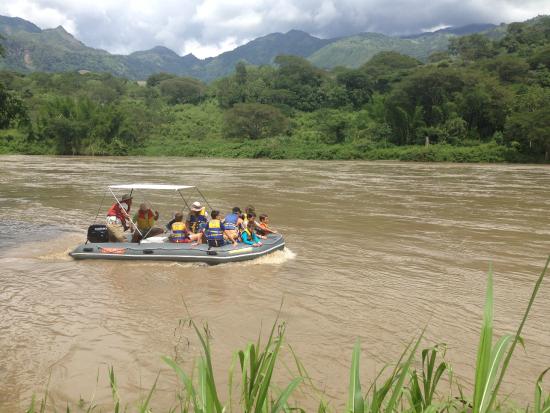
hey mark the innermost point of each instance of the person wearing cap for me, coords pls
(197, 218)
(117, 219)
(145, 220)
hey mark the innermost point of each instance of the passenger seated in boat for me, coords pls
(263, 228)
(179, 232)
(216, 233)
(233, 222)
(117, 219)
(197, 218)
(249, 236)
(249, 210)
(145, 220)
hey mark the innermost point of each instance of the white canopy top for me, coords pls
(151, 186)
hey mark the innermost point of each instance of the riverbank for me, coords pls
(285, 147)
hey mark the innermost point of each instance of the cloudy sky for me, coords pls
(209, 27)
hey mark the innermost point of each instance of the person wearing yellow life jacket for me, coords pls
(179, 232)
(197, 218)
(215, 232)
(248, 234)
(145, 220)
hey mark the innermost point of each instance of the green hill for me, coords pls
(356, 50)
(28, 48)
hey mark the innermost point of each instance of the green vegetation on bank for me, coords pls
(412, 384)
(482, 101)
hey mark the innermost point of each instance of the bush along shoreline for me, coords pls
(419, 381)
(481, 101)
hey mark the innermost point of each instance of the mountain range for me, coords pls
(29, 48)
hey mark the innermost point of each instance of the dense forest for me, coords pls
(482, 100)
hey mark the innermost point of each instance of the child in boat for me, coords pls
(215, 231)
(179, 232)
(248, 235)
(263, 227)
(233, 222)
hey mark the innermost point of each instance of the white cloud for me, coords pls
(209, 27)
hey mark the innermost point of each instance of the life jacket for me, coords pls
(145, 220)
(116, 211)
(179, 233)
(230, 222)
(197, 222)
(214, 231)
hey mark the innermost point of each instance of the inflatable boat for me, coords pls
(159, 248)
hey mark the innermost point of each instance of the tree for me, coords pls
(509, 68)
(2, 50)
(358, 86)
(155, 79)
(541, 58)
(253, 121)
(531, 131)
(472, 47)
(11, 108)
(183, 90)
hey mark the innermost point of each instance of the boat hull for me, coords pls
(166, 251)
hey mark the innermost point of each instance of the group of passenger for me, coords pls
(197, 227)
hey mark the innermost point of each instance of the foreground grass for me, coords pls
(412, 385)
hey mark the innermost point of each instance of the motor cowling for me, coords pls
(98, 233)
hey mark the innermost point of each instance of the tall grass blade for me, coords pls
(355, 401)
(517, 338)
(282, 400)
(497, 356)
(483, 361)
(398, 388)
(209, 371)
(542, 404)
(144, 408)
(187, 382)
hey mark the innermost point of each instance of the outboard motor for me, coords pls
(98, 233)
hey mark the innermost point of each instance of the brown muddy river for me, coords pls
(375, 250)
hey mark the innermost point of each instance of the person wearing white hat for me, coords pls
(197, 218)
(117, 219)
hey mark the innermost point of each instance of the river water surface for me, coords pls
(375, 250)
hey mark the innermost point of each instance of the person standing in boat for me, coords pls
(197, 218)
(117, 219)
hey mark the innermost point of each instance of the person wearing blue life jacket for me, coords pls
(197, 218)
(233, 223)
(248, 234)
(215, 231)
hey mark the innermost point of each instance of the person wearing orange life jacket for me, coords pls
(179, 232)
(197, 218)
(263, 228)
(117, 219)
(145, 220)
(216, 233)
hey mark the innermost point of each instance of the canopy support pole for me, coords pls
(182, 197)
(130, 218)
(205, 200)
